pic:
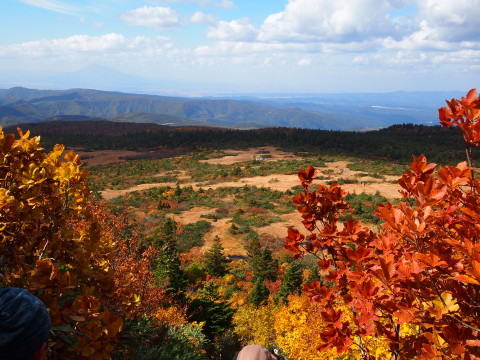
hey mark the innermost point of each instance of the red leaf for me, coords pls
(307, 176)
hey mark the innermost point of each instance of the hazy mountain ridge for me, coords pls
(327, 112)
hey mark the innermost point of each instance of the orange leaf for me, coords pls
(466, 279)
(308, 175)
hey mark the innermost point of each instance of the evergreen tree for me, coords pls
(265, 266)
(254, 248)
(260, 293)
(168, 270)
(209, 308)
(292, 282)
(215, 260)
(314, 274)
(166, 234)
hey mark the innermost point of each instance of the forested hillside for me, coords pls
(395, 143)
(314, 111)
(25, 105)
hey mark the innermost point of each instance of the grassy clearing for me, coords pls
(238, 212)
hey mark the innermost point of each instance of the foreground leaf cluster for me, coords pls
(416, 281)
(56, 244)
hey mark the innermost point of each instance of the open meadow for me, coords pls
(238, 192)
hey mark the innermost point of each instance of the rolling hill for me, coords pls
(25, 105)
(325, 112)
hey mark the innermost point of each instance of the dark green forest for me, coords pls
(396, 143)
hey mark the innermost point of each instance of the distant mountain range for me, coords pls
(326, 111)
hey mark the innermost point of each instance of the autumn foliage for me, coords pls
(414, 283)
(65, 250)
(51, 245)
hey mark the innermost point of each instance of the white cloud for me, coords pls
(52, 5)
(442, 25)
(227, 49)
(330, 21)
(304, 61)
(418, 60)
(235, 30)
(465, 57)
(389, 32)
(225, 4)
(202, 18)
(79, 45)
(451, 20)
(159, 18)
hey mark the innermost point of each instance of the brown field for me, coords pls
(104, 157)
(281, 182)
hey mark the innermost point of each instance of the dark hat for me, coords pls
(24, 324)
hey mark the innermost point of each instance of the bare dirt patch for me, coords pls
(283, 182)
(278, 182)
(105, 157)
(252, 154)
(279, 229)
(367, 184)
(109, 194)
(231, 243)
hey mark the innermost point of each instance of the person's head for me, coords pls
(24, 325)
(254, 352)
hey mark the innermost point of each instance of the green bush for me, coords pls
(192, 235)
(364, 206)
(141, 340)
(195, 272)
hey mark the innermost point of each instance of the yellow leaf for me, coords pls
(447, 303)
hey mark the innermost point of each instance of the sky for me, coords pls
(201, 47)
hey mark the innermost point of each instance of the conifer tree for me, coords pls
(208, 307)
(178, 190)
(254, 248)
(259, 294)
(215, 260)
(313, 274)
(263, 264)
(168, 269)
(292, 282)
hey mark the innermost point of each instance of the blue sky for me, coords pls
(201, 47)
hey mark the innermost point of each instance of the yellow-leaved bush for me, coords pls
(51, 244)
(255, 325)
(298, 326)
